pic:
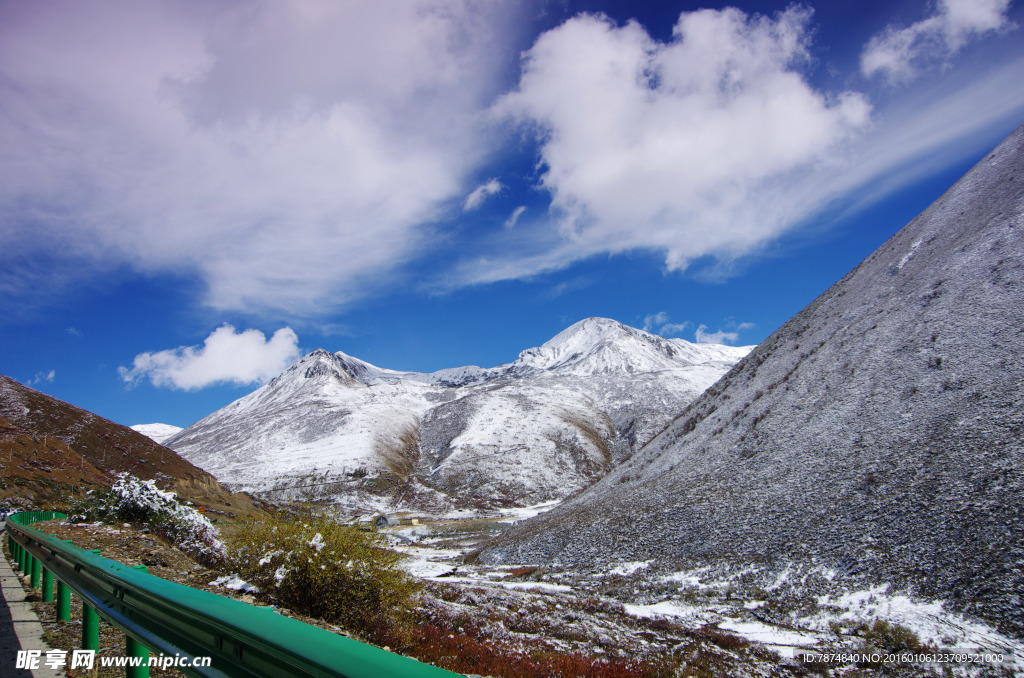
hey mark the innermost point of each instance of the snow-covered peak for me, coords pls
(605, 346)
(321, 365)
(589, 347)
(158, 433)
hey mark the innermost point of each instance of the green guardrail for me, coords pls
(172, 619)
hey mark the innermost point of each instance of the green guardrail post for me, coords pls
(90, 623)
(26, 564)
(134, 648)
(63, 602)
(90, 628)
(47, 586)
(63, 598)
(37, 568)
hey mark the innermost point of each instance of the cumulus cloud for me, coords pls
(226, 356)
(899, 53)
(686, 146)
(481, 193)
(287, 154)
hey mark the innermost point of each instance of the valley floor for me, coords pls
(706, 621)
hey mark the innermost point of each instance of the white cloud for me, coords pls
(481, 193)
(687, 146)
(41, 377)
(673, 329)
(242, 358)
(514, 218)
(288, 154)
(951, 121)
(652, 321)
(658, 323)
(899, 53)
(719, 337)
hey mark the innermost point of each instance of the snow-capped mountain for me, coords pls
(158, 433)
(878, 433)
(541, 427)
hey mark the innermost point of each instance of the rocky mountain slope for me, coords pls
(51, 451)
(539, 428)
(879, 433)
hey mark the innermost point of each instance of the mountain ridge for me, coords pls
(540, 427)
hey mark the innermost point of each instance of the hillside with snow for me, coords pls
(542, 427)
(876, 436)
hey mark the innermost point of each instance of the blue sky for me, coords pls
(194, 194)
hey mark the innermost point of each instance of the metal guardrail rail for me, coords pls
(172, 619)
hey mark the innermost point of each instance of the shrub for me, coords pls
(887, 638)
(141, 502)
(319, 567)
(891, 637)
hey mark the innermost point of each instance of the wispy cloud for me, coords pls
(673, 329)
(659, 324)
(41, 377)
(653, 320)
(228, 357)
(899, 54)
(719, 337)
(480, 194)
(728, 334)
(581, 282)
(514, 218)
(298, 155)
(289, 154)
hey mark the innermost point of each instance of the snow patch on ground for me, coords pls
(783, 641)
(930, 620)
(626, 569)
(691, 614)
(235, 583)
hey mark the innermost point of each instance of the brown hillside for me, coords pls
(51, 451)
